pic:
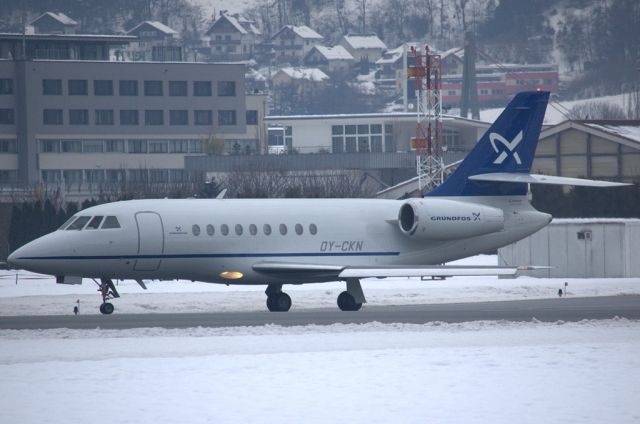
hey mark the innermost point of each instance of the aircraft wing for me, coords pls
(515, 177)
(339, 272)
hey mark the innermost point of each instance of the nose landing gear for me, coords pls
(107, 291)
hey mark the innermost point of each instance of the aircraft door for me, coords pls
(150, 241)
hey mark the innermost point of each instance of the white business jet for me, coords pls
(482, 206)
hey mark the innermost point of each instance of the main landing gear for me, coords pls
(353, 298)
(349, 300)
(277, 300)
(108, 292)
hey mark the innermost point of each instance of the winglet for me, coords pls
(222, 194)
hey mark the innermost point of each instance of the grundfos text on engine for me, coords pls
(443, 219)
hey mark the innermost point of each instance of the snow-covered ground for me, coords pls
(34, 295)
(480, 372)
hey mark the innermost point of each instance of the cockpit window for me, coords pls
(67, 222)
(110, 222)
(94, 224)
(78, 224)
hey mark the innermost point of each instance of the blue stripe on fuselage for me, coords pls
(211, 255)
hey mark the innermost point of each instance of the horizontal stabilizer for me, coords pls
(514, 177)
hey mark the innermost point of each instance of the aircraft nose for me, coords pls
(13, 260)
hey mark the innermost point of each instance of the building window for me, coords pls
(72, 176)
(226, 117)
(153, 88)
(196, 146)
(92, 146)
(104, 116)
(103, 87)
(78, 88)
(178, 175)
(177, 88)
(94, 175)
(202, 117)
(161, 176)
(350, 145)
(178, 117)
(50, 175)
(115, 175)
(128, 87)
(158, 146)
(50, 146)
(376, 143)
(7, 146)
(129, 117)
(363, 144)
(154, 117)
(138, 175)
(252, 117)
(52, 116)
(70, 146)
(137, 146)
(389, 142)
(337, 144)
(78, 117)
(114, 146)
(179, 146)
(6, 86)
(202, 88)
(51, 87)
(226, 88)
(337, 130)
(7, 117)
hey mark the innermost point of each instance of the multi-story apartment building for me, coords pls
(92, 121)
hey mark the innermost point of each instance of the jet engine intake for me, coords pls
(442, 219)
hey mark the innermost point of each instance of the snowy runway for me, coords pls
(472, 372)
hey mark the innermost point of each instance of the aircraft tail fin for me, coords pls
(508, 146)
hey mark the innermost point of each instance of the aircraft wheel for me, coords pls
(346, 302)
(280, 302)
(106, 308)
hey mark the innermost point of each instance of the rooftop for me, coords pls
(364, 41)
(334, 53)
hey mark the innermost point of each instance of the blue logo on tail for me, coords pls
(509, 145)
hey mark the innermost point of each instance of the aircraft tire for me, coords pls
(106, 308)
(346, 302)
(280, 302)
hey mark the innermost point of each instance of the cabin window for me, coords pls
(195, 229)
(211, 230)
(239, 229)
(79, 223)
(253, 230)
(313, 229)
(67, 222)
(94, 224)
(110, 222)
(224, 229)
(267, 229)
(283, 229)
(299, 229)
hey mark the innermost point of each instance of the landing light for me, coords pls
(231, 275)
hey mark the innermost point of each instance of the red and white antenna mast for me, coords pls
(428, 142)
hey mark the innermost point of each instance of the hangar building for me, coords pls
(579, 248)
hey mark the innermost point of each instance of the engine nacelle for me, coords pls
(442, 219)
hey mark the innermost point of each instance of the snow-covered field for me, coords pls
(34, 295)
(480, 372)
(497, 372)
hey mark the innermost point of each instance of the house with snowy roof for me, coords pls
(303, 80)
(331, 60)
(363, 47)
(156, 42)
(54, 23)
(232, 37)
(293, 43)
